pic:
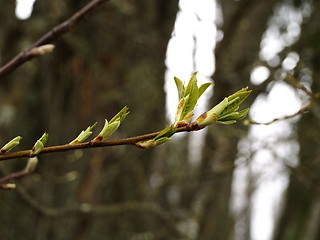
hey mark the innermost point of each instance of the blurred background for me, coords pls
(258, 182)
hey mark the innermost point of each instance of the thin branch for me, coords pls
(31, 165)
(51, 36)
(298, 113)
(92, 144)
(14, 175)
(293, 81)
(117, 208)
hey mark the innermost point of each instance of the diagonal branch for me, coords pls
(92, 144)
(149, 207)
(51, 36)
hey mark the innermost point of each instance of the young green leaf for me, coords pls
(192, 85)
(203, 88)
(180, 108)
(167, 132)
(180, 87)
(121, 115)
(188, 96)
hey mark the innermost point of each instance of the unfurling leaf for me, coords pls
(180, 87)
(110, 127)
(162, 137)
(188, 98)
(226, 111)
(83, 135)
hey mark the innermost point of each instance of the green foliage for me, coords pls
(225, 112)
(188, 98)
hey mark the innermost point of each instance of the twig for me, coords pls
(117, 208)
(301, 111)
(92, 144)
(293, 81)
(31, 165)
(51, 36)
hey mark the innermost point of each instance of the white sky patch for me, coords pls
(24, 8)
(284, 30)
(259, 75)
(191, 49)
(290, 62)
(274, 146)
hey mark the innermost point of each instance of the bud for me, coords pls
(83, 135)
(39, 145)
(152, 143)
(226, 111)
(41, 50)
(8, 186)
(14, 142)
(31, 164)
(110, 127)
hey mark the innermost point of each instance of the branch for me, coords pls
(51, 36)
(93, 144)
(31, 165)
(110, 209)
(298, 113)
(226, 112)
(293, 81)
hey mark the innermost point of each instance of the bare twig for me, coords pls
(51, 36)
(298, 113)
(92, 144)
(31, 164)
(110, 209)
(292, 80)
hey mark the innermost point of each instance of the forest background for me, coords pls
(116, 57)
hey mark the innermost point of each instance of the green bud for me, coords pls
(31, 164)
(226, 111)
(110, 127)
(39, 145)
(14, 142)
(146, 144)
(152, 143)
(162, 140)
(83, 135)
